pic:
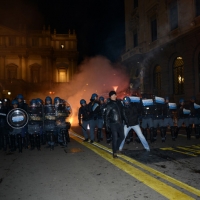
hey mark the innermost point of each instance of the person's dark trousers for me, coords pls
(117, 131)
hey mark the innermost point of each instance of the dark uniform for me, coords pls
(62, 126)
(147, 117)
(168, 113)
(84, 118)
(94, 110)
(183, 118)
(194, 117)
(34, 125)
(3, 126)
(158, 118)
(50, 122)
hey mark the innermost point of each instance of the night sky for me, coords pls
(99, 24)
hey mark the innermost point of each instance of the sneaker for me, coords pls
(91, 141)
(86, 140)
(115, 155)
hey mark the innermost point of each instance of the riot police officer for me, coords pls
(3, 126)
(147, 117)
(94, 110)
(183, 118)
(168, 114)
(84, 118)
(49, 122)
(61, 125)
(193, 117)
(24, 106)
(34, 124)
(15, 133)
(158, 118)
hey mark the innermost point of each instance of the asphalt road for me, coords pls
(87, 171)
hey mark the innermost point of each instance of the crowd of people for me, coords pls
(145, 116)
(28, 126)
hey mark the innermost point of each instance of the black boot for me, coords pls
(19, 141)
(188, 131)
(108, 137)
(52, 140)
(176, 132)
(163, 133)
(173, 129)
(152, 135)
(5, 142)
(64, 137)
(145, 133)
(99, 134)
(197, 131)
(12, 143)
(31, 136)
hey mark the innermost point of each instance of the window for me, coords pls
(173, 15)
(62, 75)
(35, 73)
(178, 76)
(11, 41)
(135, 39)
(135, 4)
(153, 28)
(197, 6)
(12, 71)
(35, 42)
(157, 80)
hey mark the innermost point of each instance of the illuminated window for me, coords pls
(178, 76)
(157, 80)
(62, 75)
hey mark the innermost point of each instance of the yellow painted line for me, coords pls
(182, 152)
(189, 149)
(157, 173)
(148, 180)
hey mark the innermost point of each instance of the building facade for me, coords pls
(163, 47)
(38, 60)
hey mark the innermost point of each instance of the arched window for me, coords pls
(178, 72)
(157, 80)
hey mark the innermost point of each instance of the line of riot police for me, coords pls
(155, 115)
(29, 126)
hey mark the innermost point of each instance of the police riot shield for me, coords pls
(49, 112)
(35, 114)
(17, 118)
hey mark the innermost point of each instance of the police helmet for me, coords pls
(20, 96)
(56, 100)
(94, 95)
(48, 98)
(14, 102)
(39, 101)
(33, 102)
(101, 98)
(126, 100)
(181, 100)
(82, 101)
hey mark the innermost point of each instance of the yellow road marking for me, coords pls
(148, 180)
(189, 149)
(182, 152)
